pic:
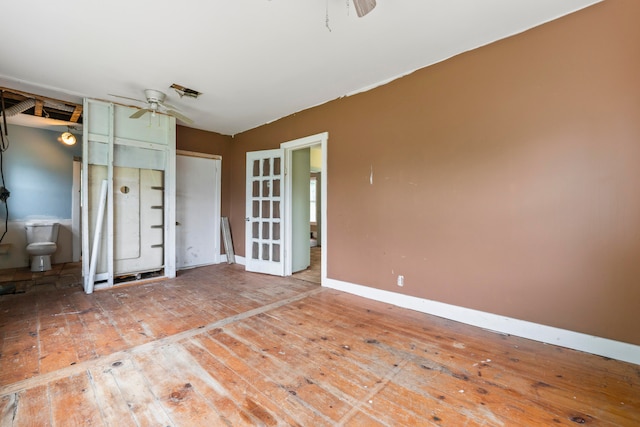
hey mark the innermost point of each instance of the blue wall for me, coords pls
(38, 170)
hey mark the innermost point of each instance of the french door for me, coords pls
(264, 239)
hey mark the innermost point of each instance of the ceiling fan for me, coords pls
(364, 6)
(154, 104)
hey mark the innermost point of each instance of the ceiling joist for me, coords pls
(39, 105)
(77, 112)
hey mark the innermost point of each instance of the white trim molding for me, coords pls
(321, 139)
(501, 324)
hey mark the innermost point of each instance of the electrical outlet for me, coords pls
(400, 280)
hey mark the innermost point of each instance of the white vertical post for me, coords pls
(170, 202)
(110, 204)
(84, 188)
(95, 252)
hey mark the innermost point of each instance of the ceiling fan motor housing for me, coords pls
(154, 96)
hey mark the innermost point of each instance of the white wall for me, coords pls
(300, 210)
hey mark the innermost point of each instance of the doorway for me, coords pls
(269, 227)
(312, 273)
(306, 159)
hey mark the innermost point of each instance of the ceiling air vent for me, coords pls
(185, 91)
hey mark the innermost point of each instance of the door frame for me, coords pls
(289, 147)
(108, 130)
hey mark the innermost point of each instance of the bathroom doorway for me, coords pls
(42, 175)
(39, 173)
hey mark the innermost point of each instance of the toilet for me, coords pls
(41, 244)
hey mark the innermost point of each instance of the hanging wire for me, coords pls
(4, 145)
(326, 22)
(4, 137)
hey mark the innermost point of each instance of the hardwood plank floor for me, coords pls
(313, 272)
(21, 280)
(219, 346)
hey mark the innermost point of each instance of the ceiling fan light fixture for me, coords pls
(68, 138)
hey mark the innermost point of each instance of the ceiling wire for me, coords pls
(326, 22)
(4, 145)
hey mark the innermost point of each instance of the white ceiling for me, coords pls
(254, 60)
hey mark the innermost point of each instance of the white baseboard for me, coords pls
(501, 324)
(240, 260)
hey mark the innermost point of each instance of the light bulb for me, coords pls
(68, 138)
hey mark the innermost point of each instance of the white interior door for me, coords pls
(197, 211)
(264, 243)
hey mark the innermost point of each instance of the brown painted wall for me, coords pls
(505, 179)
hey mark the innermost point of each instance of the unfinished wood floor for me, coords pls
(313, 272)
(218, 346)
(21, 280)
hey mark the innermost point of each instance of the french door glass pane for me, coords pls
(266, 167)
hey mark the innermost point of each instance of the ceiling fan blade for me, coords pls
(180, 116)
(126, 97)
(141, 112)
(167, 106)
(364, 6)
